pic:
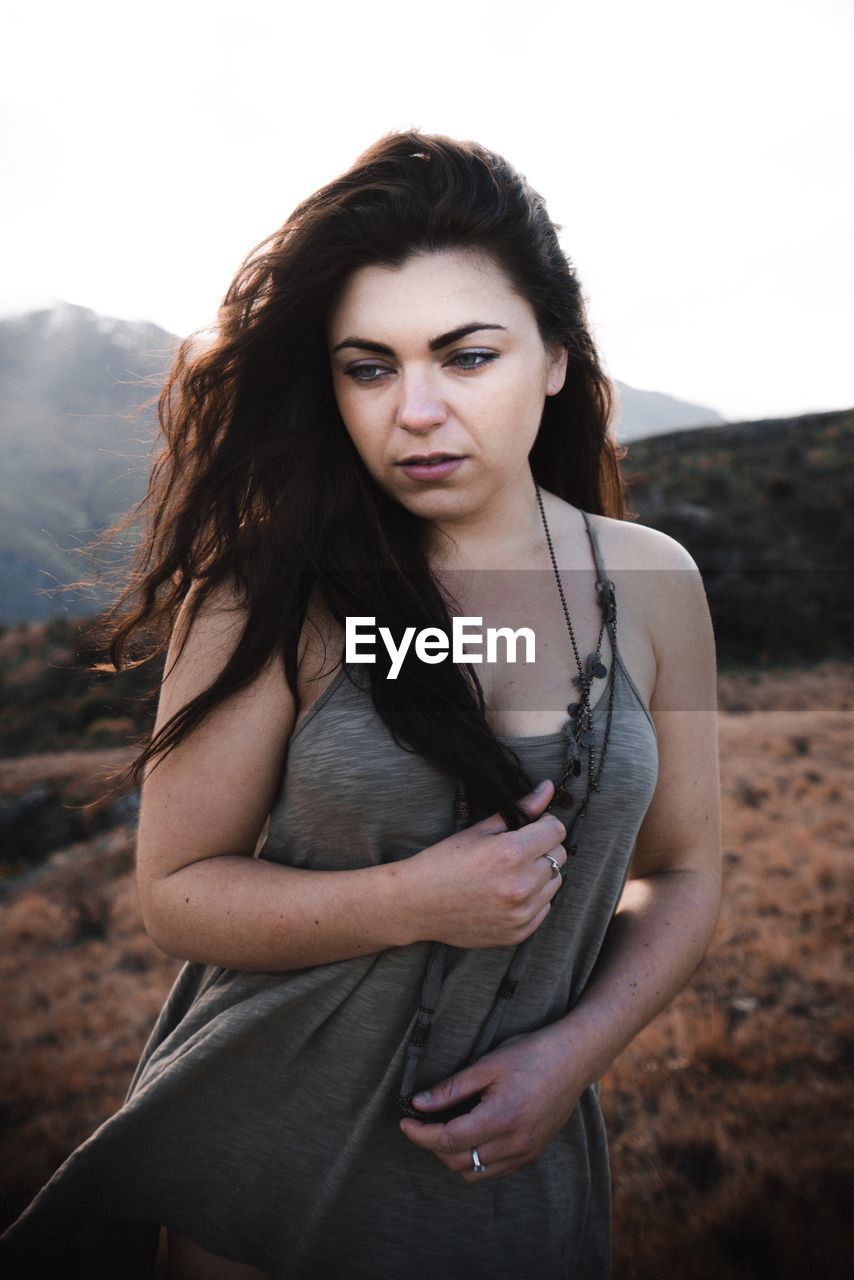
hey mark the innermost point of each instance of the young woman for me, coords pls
(471, 875)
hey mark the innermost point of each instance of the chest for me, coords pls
(524, 654)
(526, 671)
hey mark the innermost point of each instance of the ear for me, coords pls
(558, 357)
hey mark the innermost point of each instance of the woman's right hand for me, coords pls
(487, 886)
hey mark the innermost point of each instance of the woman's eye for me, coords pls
(359, 369)
(485, 356)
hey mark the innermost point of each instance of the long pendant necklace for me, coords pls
(578, 733)
(578, 730)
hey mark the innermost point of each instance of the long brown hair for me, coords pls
(257, 482)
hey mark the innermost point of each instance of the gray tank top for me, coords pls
(263, 1118)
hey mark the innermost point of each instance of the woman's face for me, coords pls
(441, 355)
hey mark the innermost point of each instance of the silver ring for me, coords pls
(478, 1167)
(556, 871)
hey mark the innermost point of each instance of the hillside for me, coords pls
(767, 511)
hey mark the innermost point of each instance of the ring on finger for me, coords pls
(557, 870)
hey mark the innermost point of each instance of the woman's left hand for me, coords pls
(529, 1092)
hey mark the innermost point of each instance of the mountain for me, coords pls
(75, 448)
(652, 413)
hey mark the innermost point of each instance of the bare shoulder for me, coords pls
(669, 589)
(667, 639)
(212, 793)
(202, 645)
(624, 544)
(628, 545)
(207, 631)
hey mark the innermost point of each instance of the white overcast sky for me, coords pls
(698, 156)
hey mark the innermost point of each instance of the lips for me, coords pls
(437, 468)
(427, 459)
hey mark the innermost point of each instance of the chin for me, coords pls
(435, 503)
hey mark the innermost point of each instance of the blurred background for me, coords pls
(697, 159)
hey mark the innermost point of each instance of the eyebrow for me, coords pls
(436, 344)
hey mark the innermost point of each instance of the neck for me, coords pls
(505, 533)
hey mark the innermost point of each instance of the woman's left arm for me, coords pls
(661, 928)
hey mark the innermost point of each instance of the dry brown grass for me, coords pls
(829, 685)
(88, 767)
(729, 1117)
(81, 987)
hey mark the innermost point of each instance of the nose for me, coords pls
(420, 406)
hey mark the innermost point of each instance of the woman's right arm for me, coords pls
(204, 897)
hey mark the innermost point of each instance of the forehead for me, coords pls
(432, 291)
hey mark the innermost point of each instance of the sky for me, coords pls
(697, 157)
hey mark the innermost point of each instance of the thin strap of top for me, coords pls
(605, 587)
(594, 542)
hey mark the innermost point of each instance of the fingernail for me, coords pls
(421, 1099)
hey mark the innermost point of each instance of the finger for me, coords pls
(499, 1170)
(494, 825)
(497, 1162)
(546, 898)
(546, 863)
(551, 886)
(534, 924)
(554, 873)
(491, 1154)
(547, 833)
(557, 882)
(444, 1140)
(456, 1088)
(431, 1137)
(535, 801)
(457, 1135)
(554, 886)
(532, 806)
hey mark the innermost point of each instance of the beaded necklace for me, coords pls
(578, 730)
(578, 735)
